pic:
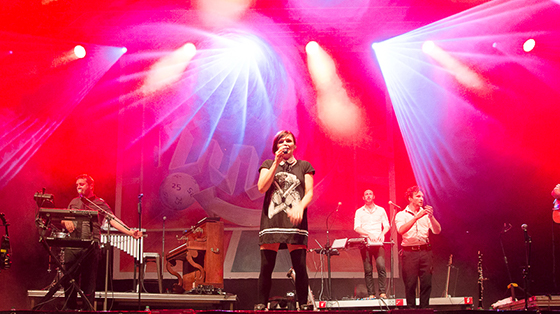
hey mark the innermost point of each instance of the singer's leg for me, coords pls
(268, 260)
(425, 274)
(302, 280)
(410, 277)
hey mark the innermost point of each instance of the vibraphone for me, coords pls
(128, 244)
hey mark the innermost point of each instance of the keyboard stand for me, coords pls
(67, 276)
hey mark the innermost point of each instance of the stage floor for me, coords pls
(126, 300)
(129, 300)
(194, 303)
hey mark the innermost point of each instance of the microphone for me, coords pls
(507, 227)
(329, 216)
(397, 206)
(81, 192)
(527, 237)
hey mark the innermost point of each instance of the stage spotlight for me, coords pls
(312, 47)
(529, 45)
(246, 49)
(169, 68)
(80, 51)
(124, 50)
(428, 47)
(461, 71)
(221, 13)
(338, 113)
(189, 50)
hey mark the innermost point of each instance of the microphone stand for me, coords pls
(141, 262)
(107, 262)
(329, 252)
(392, 243)
(162, 248)
(527, 269)
(504, 254)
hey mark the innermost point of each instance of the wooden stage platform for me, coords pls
(129, 300)
(196, 303)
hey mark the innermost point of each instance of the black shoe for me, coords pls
(306, 307)
(260, 307)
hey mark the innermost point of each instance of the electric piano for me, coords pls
(53, 237)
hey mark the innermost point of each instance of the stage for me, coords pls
(193, 304)
(130, 300)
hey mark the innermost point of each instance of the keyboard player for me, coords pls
(86, 273)
(371, 222)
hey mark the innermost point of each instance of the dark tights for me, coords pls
(268, 260)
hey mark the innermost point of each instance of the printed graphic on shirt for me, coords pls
(285, 196)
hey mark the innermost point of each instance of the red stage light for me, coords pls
(529, 45)
(80, 51)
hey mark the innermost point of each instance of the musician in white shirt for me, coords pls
(371, 222)
(414, 224)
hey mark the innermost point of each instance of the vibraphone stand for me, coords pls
(67, 276)
(527, 269)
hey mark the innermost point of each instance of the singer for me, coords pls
(86, 273)
(288, 187)
(414, 224)
(371, 222)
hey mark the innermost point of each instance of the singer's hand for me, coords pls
(421, 213)
(556, 192)
(430, 210)
(279, 156)
(295, 214)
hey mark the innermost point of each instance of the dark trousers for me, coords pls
(417, 265)
(85, 274)
(369, 253)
